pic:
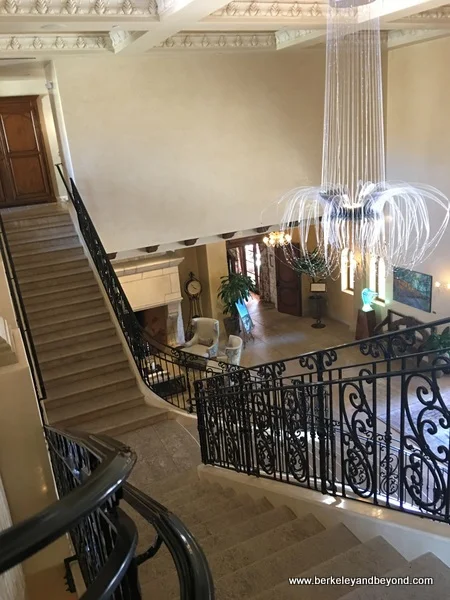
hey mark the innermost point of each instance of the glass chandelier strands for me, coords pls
(355, 207)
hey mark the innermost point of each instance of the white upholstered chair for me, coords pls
(205, 341)
(233, 350)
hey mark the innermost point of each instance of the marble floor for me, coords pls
(278, 336)
(164, 449)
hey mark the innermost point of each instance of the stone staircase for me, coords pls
(253, 548)
(89, 382)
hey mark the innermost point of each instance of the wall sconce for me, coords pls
(440, 285)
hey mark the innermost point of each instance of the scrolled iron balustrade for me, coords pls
(372, 433)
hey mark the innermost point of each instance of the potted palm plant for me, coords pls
(439, 345)
(233, 288)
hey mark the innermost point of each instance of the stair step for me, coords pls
(42, 269)
(19, 236)
(26, 223)
(61, 321)
(38, 304)
(163, 561)
(238, 515)
(126, 420)
(87, 332)
(55, 256)
(207, 498)
(426, 565)
(41, 254)
(201, 513)
(279, 566)
(36, 276)
(83, 411)
(83, 369)
(90, 388)
(374, 557)
(63, 241)
(36, 211)
(73, 353)
(60, 281)
(66, 312)
(171, 484)
(250, 529)
(257, 548)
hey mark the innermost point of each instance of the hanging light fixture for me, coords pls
(355, 208)
(277, 238)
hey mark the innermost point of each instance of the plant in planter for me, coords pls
(234, 287)
(439, 345)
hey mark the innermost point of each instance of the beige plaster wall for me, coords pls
(24, 462)
(167, 148)
(418, 143)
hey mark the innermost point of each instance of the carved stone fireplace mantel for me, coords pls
(154, 282)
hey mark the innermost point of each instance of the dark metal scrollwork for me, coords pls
(426, 440)
(358, 440)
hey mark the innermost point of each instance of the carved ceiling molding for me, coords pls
(50, 44)
(285, 38)
(67, 8)
(220, 41)
(270, 10)
(404, 37)
(439, 14)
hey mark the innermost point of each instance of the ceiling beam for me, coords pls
(398, 9)
(175, 16)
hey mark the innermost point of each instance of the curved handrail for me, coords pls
(192, 567)
(23, 540)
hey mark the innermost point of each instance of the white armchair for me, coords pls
(205, 342)
(233, 350)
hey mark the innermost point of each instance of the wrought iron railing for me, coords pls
(375, 431)
(21, 315)
(169, 372)
(90, 474)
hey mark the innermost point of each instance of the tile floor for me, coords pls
(278, 336)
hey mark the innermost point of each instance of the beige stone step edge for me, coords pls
(150, 397)
(411, 536)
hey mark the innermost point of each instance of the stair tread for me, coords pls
(78, 283)
(375, 557)
(85, 407)
(55, 302)
(277, 567)
(266, 543)
(64, 220)
(74, 349)
(75, 245)
(84, 331)
(47, 322)
(123, 418)
(116, 357)
(66, 261)
(93, 383)
(427, 565)
(51, 275)
(51, 208)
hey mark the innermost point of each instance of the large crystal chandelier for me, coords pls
(355, 207)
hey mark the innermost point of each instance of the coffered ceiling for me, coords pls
(48, 28)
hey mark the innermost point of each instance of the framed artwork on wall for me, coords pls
(413, 288)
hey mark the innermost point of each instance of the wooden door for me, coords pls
(24, 173)
(289, 290)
